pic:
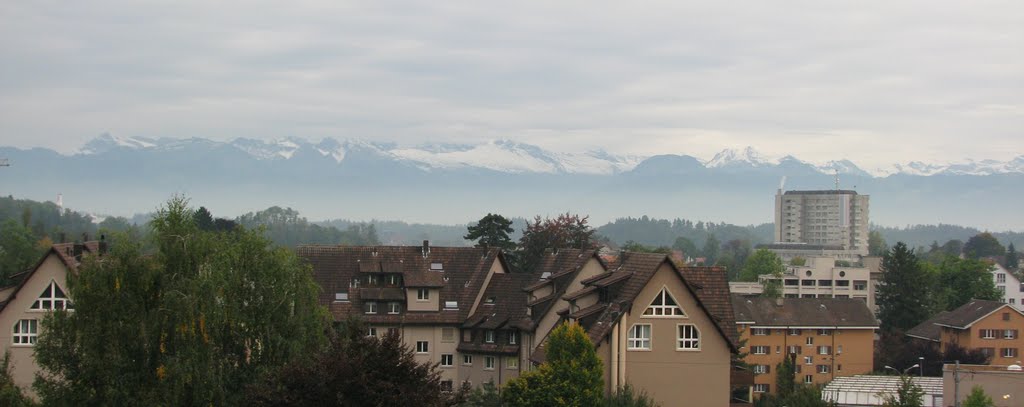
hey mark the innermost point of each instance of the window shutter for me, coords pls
(767, 368)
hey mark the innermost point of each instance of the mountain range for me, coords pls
(457, 183)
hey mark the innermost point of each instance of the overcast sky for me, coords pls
(874, 81)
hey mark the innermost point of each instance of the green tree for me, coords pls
(627, 396)
(978, 398)
(571, 376)
(876, 244)
(204, 219)
(798, 261)
(491, 231)
(983, 245)
(903, 297)
(762, 262)
(711, 249)
(1012, 258)
(632, 246)
(17, 249)
(485, 395)
(908, 394)
(960, 280)
(686, 246)
(193, 323)
(785, 377)
(354, 370)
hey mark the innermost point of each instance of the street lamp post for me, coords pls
(904, 373)
(920, 366)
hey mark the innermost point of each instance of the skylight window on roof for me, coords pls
(664, 305)
(451, 305)
(341, 297)
(436, 266)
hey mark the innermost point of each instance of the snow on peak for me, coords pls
(106, 142)
(730, 157)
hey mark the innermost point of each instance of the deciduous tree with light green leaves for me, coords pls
(190, 324)
(908, 394)
(978, 398)
(571, 376)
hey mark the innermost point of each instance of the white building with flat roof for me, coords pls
(823, 218)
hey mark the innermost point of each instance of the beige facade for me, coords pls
(826, 217)
(1000, 382)
(819, 277)
(997, 334)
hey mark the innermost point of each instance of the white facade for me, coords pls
(1010, 286)
(819, 277)
(827, 217)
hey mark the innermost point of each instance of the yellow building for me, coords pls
(991, 326)
(827, 337)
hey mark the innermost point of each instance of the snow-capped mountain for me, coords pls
(513, 157)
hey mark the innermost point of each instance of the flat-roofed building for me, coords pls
(836, 218)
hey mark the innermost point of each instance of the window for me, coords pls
(371, 331)
(512, 363)
(759, 350)
(447, 335)
(860, 285)
(391, 279)
(839, 350)
(792, 282)
(640, 337)
(394, 308)
(808, 379)
(824, 350)
(824, 332)
(794, 332)
(987, 333)
(341, 297)
(422, 346)
(1009, 352)
(422, 294)
(689, 337)
(488, 362)
(664, 306)
(824, 283)
(760, 331)
(807, 283)
(371, 280)
(451, 305)
(446, 386)
(808, 360)
(794, 349)
(25, 332)
(810, 340)
(1001, 278)
(761, 369)
(436, 266)
(489, 336)
(824, 368)
(760, 388)
(513, 337)
(842, 283)
(370, 307)
(467, 360)
(1010, 334)
(447, 360)
(52, 298)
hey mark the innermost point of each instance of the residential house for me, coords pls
(992, 326)
(661, 328)
(826, 337)
(1009, 285)
(37, 291)
(450, 305)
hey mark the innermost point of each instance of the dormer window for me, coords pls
(422, 294)
(370, 308)
(371, 281)
(513, 337)
(393, 279)
(664, 305)
(489, 336)
(52, 298)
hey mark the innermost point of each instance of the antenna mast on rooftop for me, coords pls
(837, 179)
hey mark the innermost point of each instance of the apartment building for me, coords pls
(452, 305)
(661, 328)
(826, 337)
(992, 326)
(828, 219)
(39, 290)
(820, 277)
(1009, 284)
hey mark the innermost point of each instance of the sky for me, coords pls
(877, 82)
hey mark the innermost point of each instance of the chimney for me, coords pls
(103, 245)
(79, 247)
(426, 248)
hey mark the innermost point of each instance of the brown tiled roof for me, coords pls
(579, 293)
(508, 309)
(707, 285)
(488, 348)
(927, 329)
(811, 312)
(562, 266)
(463, 275)
(969, 313)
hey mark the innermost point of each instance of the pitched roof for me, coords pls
(503, 304)
(969, 313)
(561, 267)
(707, 285)
(460, 279)
(809, 312)
(65, 252)
(927, 329)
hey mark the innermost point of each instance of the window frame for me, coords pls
(422, 347)
(635, 339)
(451, 360)
(687, 344)
(394, 308)
(370, 308)
(659, 309)
(513, 338)
(1008, 352)
(52, 299)
(512, 363)
(761, 388)
(25, 332)
(467, 360)
(422, 294)
(489, 363)
(754, 349)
